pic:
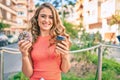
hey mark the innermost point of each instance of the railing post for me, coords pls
(100, 63)
(1, 65)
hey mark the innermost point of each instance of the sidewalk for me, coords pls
(114, 53)
(12, 64)
(0, 66)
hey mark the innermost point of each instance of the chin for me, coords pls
(47, 29)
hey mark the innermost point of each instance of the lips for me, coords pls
(46, 25)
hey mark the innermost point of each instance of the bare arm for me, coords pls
(27, 66)
(63, 50)
(65, 65)
(24, 47)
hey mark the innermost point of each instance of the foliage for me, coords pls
(70, 76)
(115, 19)
(107, 64)
(109, 75)
(89, 40)
(86, 40)
(88, 56)
(3, 25)
(74, 47)
(98, 37)
(69, 29)
(110, 64)
(18, 76)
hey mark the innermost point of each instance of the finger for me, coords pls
(65, 43)
(59, 52)
(27, 47)
(24, 44)
(62, 51)
(20, 42)
(62, 46)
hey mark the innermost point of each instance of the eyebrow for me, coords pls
(45, 14)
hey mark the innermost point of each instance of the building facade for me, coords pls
(7, 13)
(95, 17)
(16, 13)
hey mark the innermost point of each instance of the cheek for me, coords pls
(39, 22)
(52, 22)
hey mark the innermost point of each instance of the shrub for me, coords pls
(18, 76)
(69, 28)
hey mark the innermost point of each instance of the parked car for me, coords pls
(12, 39)
(3, 40)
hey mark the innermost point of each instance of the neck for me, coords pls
(44, 33)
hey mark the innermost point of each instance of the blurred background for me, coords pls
(92, 15)
(88, 22)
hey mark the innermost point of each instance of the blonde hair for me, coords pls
(56, 29)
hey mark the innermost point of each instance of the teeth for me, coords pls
(46, 24)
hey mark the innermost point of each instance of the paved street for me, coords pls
(12, 62)
(0, 66)
(114, 53)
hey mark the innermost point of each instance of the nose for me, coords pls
(47, 19)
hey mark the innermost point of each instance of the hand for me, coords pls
(62, 48)
(24, 47)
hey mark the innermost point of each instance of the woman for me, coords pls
(45, 57)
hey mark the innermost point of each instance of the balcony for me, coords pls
(14, 1)
(10, 22)
(8, 9)
(22, 2)
(25, 18)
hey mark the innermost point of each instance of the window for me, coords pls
(20, 21)
(8, 2)
(19, 6)
(20, 13)
(0, 13)
(8, 16)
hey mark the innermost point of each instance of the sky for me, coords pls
(38, 1)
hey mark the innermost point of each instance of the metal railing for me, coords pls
(8, 50)
(99, 66)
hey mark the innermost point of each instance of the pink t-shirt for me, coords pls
(46, 63)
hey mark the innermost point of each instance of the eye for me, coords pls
(43, 16)
(51, 17)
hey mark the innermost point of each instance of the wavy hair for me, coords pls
(56, 29)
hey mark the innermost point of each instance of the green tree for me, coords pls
(69, 29)
(3, 25)
(115, 19)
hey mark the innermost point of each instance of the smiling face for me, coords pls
(45, 20)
